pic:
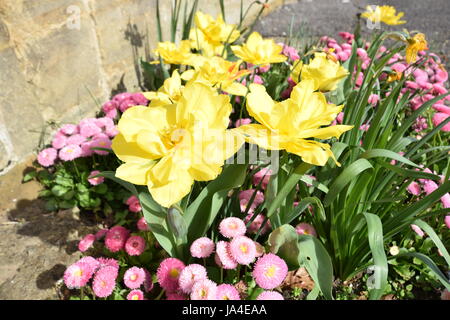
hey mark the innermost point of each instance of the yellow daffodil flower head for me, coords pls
(385, 14)
(415, 44)
(216, 31)
(170, 53)
(325, 72)
(169, 93)
(200, 43)
(220, 73)
(259, 51)
(394, 76)
(292, 124)
(168, 147)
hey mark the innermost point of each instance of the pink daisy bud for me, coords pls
(440, 117)
(270, 271)
(111, 114)
(204, 290)
(373, 99)
(47, 157)
(133, 204)
(95, 181)
(306, 228)
(168, 274)
(232, 227)
(227, 292)
(142, 225)
(109, 106)
(135, 295)
(70, 152)
(108, 262)
(243, 250)
(241, 122)
(77, 275)
(115, 238)
(189, 275)
(257, 224)
(202, 248)
(86, 242)
(134, 277)
(417, 230)
(223, 256)
(245, 197)
(104, 281)
(148, 281)
(429, 186)
(263, 177)
(447, 221)
(100, 234)
(139, 99)
(69, 129)
(270, 295)
(135, 245)
(414, 188)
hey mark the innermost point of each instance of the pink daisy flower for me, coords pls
(270, 271)
(227, 292)
(168, 274)
(76, 139)
(135, 245)
(77, 275)
(243, 250)
(224, 257)
(109, 106)
(115, 238)
(47, 157)
(86, 242)
(142, 224)
(134, 277)
(89, 128)
(108, 262)
(69, 129)
(189, 275)
(70, 152)
(103, 142)
(414, 188)
(59, 141)
(104, 122)
(270, 295)
(86, 150)
(104, 282)
(135, 295)
(112, 131)
(202, 247)
(133, 204)
(306, 228)
(95, 181)
(92, 262)
(232, 227)
(204, 290)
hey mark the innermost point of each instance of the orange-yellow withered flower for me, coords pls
(169, 147)
(292, 124)
(385, 14)
(415, 44)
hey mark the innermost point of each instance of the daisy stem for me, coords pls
(238, 272)
(82, 293)
(160, 294)
(221, 275)
(204, 262)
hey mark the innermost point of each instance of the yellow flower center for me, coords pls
(243, 248)
(270, 272)
(78, 273)
(135, 297)
(103, 283)
(232, 226)
(225, 298)
(203, 293)
(174, 273)
(133, 277)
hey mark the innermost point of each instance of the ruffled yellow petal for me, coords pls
(235, 88)
(312, 152)
(325, 133)
(135, 172)
(129, 151)
(262, 136)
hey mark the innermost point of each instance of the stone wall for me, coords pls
(60, 58)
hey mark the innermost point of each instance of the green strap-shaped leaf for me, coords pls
(302, 205)
(376, 243)
(437, 241)
(112, 176)
(425, 259)
(346, 176)
(383, 153)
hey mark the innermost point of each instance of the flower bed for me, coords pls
(251, 169)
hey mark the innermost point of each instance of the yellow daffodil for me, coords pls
(200, 43)
(168, 147)
(325, 72)
(170, 53)
(385, 14)
(216, 31)
(169, 93)
(220, 73)
(415, 44)
(291, 124)
(259, 51)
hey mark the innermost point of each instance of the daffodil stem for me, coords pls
(160, 294)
